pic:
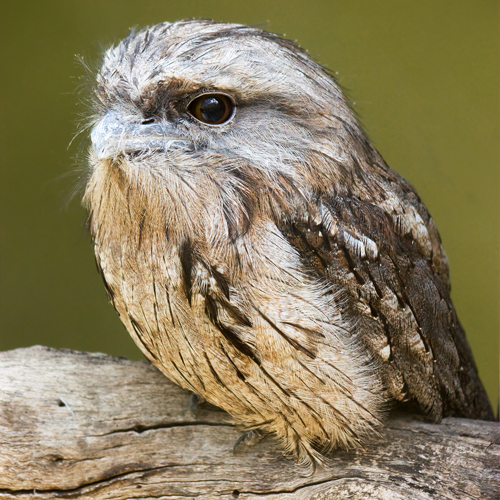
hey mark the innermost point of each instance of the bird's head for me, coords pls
(199, 114)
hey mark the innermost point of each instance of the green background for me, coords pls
(424, 77)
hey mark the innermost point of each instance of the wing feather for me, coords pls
(391, 272)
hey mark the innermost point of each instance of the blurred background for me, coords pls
(424, 77)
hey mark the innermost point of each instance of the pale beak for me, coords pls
(116, 135)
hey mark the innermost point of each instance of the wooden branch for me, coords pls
(80, 425)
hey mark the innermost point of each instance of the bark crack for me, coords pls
(139, 429)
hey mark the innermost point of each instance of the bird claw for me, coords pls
(194, 401)
(250, 438)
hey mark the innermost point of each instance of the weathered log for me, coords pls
(81, 425)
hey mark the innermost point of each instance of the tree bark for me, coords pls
(84, 425)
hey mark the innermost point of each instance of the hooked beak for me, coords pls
(116, 135)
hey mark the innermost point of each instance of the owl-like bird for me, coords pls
(258, 248)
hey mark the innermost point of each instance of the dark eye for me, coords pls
(213, 109)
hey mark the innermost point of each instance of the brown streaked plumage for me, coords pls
(265, 257)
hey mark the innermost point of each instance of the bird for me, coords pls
(257, 247)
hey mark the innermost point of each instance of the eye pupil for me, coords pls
(212, 109)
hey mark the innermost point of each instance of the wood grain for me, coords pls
(86, 425)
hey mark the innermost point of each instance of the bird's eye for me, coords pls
(213, 109)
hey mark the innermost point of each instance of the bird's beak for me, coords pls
(115, 135)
